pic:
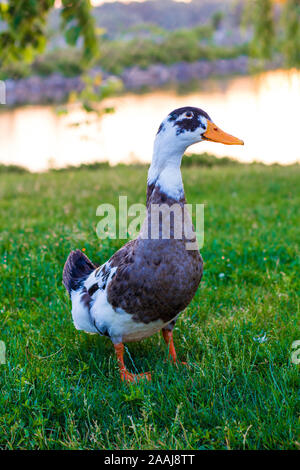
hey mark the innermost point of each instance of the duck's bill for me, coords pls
(214, 134)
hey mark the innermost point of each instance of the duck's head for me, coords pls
(186, 126)
(180, 129)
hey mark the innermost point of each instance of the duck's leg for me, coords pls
(168, 337)
(127, 376)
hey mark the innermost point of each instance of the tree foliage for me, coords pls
(291, 23)
(24, 32)
(264, 30)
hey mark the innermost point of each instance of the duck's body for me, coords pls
(140, 290)
(147, 283)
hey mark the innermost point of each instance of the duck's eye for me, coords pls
(189, 115)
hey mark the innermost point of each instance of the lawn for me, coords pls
(60, 388)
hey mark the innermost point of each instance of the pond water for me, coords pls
(262, 110)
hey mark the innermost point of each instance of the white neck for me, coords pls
(165, 168)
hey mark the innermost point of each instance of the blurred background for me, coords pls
(91, 81)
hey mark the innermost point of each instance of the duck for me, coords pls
(144, 287)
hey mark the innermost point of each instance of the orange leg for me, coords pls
(168, 337)
(125, 375)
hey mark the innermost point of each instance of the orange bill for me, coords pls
(214, 134)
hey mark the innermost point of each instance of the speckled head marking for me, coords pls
(188, 119)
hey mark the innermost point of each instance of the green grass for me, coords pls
(60, 388)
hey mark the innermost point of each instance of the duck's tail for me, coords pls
(77, 268)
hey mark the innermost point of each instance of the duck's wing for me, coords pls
(153, 279)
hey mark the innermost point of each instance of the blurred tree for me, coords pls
(217, 19)
(291, 24)
(264, 31)
(23, 35)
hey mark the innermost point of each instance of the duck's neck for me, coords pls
(164, 172)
